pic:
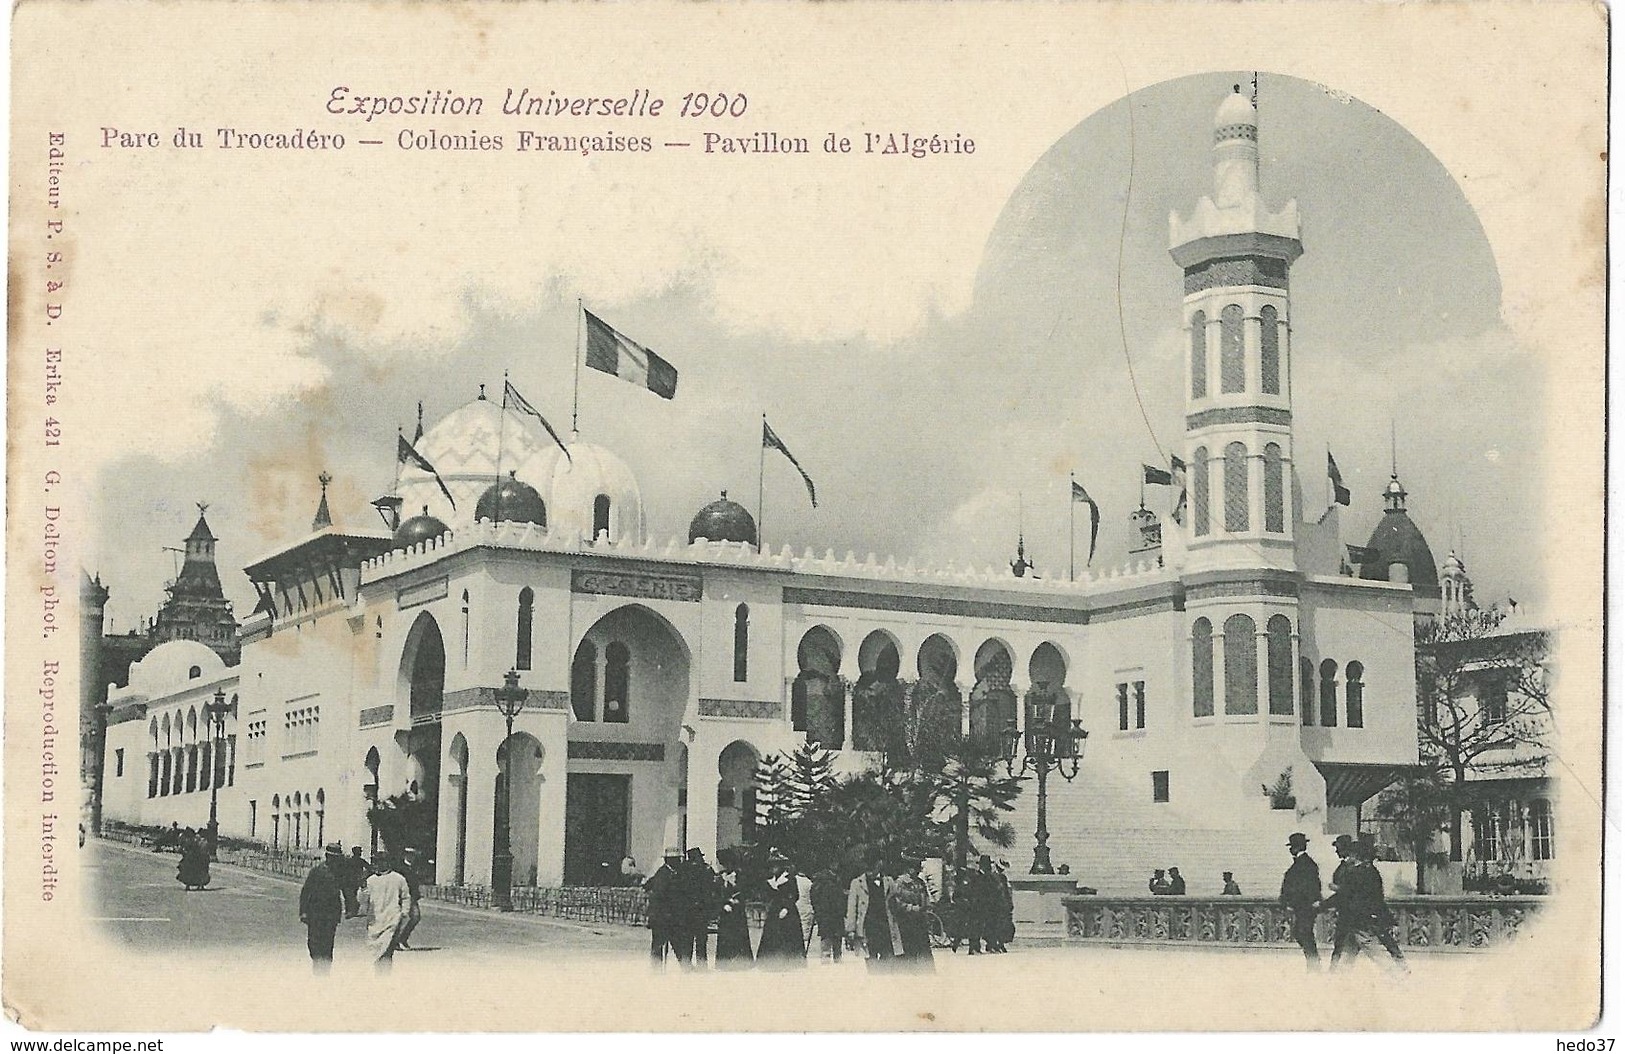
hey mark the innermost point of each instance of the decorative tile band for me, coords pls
(377, 715)
(476, 698)
(644, 585)
(421, 593)
(754, 709)
(598, 750)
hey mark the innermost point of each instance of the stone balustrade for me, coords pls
(1464, 923)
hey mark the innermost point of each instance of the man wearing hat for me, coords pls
(1300, 891)
(668, 911)
(1344, 846)
(321, 906)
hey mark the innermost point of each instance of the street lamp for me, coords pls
(216, 710)
(510, 700)
(1050, 744)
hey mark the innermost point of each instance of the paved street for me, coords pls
(139, 904)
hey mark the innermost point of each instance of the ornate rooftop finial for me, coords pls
(323, 517)
(482, 393)
(1021, 565)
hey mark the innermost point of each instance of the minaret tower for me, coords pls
(1235, 253)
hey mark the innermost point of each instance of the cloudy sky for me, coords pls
(934, 413)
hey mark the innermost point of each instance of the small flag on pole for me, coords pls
(1158, 476)
(771, 441)
(1079, 494)
(1340, 493)
(613, 352)
(520, 403)
(406, 455)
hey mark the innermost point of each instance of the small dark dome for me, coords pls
(419, 528)
(1397, 540)
(511, 501)
(723, 521)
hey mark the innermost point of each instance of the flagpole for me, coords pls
(400, 437)
(761, 476)
(575, 406)
(502, 424)
(1071, 527)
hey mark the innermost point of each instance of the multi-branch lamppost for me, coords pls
(510, 700)
(216, 709)
(1050, 743)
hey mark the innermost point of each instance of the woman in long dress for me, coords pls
(781, 946)
(910, 901)
(193, 870)
(733, 929)
(390, 901)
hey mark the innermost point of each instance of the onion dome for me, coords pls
(419, 528)
(723, 521)
(1236, 109)
(511, 501)
(469, 447)
(1402, 554)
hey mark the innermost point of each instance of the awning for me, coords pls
(1351, 783)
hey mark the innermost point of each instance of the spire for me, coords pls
(1393, 495)
(200, 531)
(419, 433)
(324, 517)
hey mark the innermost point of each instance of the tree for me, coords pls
(1481, 691)
(773, 801)
(808, 775)
(1418, 806)
(404, 821)
(974, 791)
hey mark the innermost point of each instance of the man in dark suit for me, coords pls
(321, 906)
(1300, 892)
(668, 911)
(1343, 846)
(1362, 910)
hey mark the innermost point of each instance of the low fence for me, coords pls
(1439, 923)
(623, 905)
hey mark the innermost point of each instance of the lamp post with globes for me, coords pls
(1050, 743)
(216, 709)
(510, 700)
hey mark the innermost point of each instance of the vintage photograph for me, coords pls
(509, 518)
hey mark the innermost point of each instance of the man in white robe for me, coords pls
(390, 902)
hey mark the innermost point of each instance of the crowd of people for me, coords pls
(884, 913)
(332, 893)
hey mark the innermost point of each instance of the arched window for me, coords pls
(276, 820)
(584, 682)
(1270, 349)
(1354, 694)
(1232, 358)
(205, 765)
(1200, 516)
(1328, 693)
(741, 642)
(1306, 691)
(321, 817)
(152, 774)
(1274, 490)
(617, 682)
(194, 673)
(1278, 631)
(1235, 488)
(1240, 666)
(1202, 668)
(527, 611)
(1199, 355)
(600, 515)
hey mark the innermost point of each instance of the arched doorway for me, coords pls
(1046, 671)
(736, 794)
(520, 799)
(630, 689)
(369, 795)
(877, 698)
(817, 698)
(934, 711)
(413, 812)
(992, 702)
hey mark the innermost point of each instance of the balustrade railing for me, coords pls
(1446, 923)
